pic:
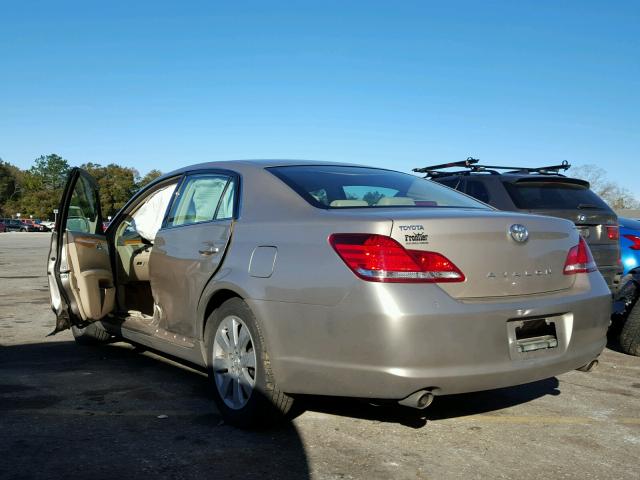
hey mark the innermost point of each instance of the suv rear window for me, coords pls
(334, 186)
(553, 195)
(478, 190)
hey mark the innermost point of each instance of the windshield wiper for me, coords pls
(586, 205)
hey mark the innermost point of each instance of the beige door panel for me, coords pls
(140, 264)
(90, 274)
(133, 261)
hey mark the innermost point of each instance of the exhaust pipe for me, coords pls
(589, 366)
(420, 400)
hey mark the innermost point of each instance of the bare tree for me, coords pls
(615, 195)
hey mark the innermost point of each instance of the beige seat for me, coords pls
(348, 203)
(392, 201)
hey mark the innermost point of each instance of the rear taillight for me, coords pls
(613, 232)
(580, 260)
(378, 258)
(635, 240)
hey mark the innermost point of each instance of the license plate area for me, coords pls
(536, 334)
(530, 335)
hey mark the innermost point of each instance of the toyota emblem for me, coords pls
(519, 233)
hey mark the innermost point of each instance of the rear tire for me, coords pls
(92, 334)
(265, 403)
(630, 334)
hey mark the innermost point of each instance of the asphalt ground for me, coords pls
(115, 411)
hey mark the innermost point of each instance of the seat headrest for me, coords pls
(348, 203)
(390, 201)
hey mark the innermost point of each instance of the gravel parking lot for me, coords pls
(116, 410)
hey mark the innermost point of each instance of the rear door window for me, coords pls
(553, 195)
(202, 198)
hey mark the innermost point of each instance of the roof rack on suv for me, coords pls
(471, 166)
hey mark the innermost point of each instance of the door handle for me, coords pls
(209, 251)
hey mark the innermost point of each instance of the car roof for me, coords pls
(261, 163)
(257, 164)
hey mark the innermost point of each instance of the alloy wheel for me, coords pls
(234, 362)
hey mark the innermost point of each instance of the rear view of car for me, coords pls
(287, 278)
(446, 295)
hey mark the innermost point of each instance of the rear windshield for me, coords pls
(328, 186)
(555, 195)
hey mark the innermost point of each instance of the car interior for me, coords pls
(133, 242)
(202, 199)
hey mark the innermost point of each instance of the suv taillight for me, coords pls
(579, 260)
(613, 232)
(378, 258)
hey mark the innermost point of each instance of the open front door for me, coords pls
(79, 265)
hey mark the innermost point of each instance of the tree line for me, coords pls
(36, 191)
(618, 197)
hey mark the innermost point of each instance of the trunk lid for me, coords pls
(480, 244)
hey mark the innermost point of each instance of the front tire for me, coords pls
(630, 333)
(240, 376)
(92, 334)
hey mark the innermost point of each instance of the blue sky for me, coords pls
(396, 84)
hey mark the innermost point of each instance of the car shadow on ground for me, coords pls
(110, 411)
(449, 406)
(113, 410)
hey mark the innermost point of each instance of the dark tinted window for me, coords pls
(329, 186)
(451, 182)
(553, 195)
(477, 190)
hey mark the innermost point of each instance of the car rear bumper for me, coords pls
(390, 340)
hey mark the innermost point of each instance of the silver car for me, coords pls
(290, 277)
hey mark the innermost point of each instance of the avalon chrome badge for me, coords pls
(519, 233)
